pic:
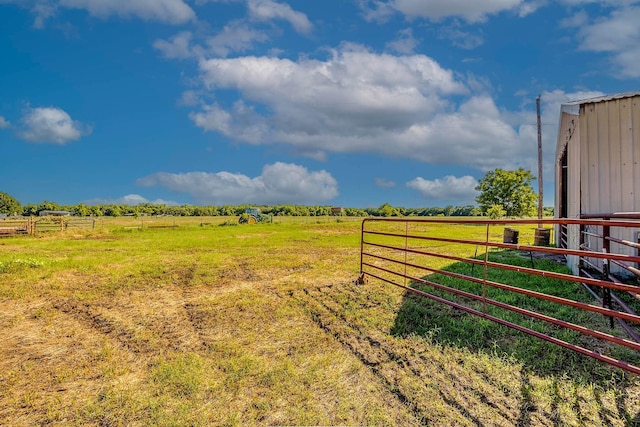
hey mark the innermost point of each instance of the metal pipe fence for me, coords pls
(469, 265)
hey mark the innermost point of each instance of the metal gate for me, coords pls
(456, 262)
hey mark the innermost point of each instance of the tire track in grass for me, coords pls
(162, 324)
(391, 364)
(360, 346)
(87, 314)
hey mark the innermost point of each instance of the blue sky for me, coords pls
(338, 102)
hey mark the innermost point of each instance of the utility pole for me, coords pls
(540, 197)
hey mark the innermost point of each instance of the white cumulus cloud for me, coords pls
(51, 125)
(448, 188)
(130, 200)
(167, 11)
(405, 43)
(176, 48)
(236, 36)
(267, 10)
(4, 123)
(619, 35)
(358, 101)
(471, 11)
(279, 183)
(384, 183)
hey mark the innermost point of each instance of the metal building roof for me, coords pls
(573, 107)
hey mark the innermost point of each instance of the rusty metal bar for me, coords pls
(606, 359)
(584, 254)
(622, 323)
(546, 297)
(566, 221)
(542, 273)
(558, 322)
(630, 269)
(560, 251)
(624, 242)
(625, 215)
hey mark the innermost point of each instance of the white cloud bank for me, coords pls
(130, 200)
(236, 36)
(384, 183)
(267, 10)
(4, 123)
(619, 35)
(448, 188)
(470, 11)
(279, 183)
(358, 101)
(51, 125)
(167, 11)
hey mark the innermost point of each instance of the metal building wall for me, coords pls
(569, 140)
(610, 155)
(602, 138)
(610, 163)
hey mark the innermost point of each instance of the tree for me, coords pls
(387, 210)
(30, 209)
(113, 210)
(510, 190)
(495, 212)
(48, 206)
(9, 205)
(81, 210)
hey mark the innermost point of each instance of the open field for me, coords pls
(184, 321)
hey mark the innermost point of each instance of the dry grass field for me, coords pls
(202, 324)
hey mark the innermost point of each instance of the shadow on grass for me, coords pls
(453, 327)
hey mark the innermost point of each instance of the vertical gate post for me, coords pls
(486, 260)
(606, 292)
(406, 246)
(362, 245)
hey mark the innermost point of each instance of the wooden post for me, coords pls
(540, 196)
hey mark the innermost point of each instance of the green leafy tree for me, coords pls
(495, 212)
(113, 210)
(475, 212)
(387, 210)
(510, 190)
(9, 205)
(96, 210)
(81, 210)
(30, 210)
(48, 206)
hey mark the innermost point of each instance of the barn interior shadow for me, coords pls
(448, 326)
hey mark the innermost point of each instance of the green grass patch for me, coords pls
(451, 326)
(180, 321)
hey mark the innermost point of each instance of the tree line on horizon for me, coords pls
(501, 193)
(150, 209)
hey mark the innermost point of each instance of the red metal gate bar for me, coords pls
(555, 221)
(630, 269)
(558, 322)
(542, 273)
(546, 297)
(610, 282)
(606, 359)
(580, 253)
(621, 322)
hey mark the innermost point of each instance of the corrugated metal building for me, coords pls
(597, 161)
